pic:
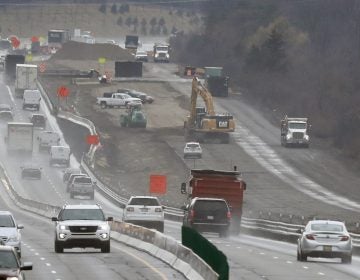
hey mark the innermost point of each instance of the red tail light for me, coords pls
(344, 238)
(228, 215)
(310, 236)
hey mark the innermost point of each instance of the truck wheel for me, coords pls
(103, 105)
(105, 248)
(58, 247)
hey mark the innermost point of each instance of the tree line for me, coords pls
(300, 58)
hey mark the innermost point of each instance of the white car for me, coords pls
(325, 239)
(144, 211)
(141, 56)
(192, 150)
(10, 231)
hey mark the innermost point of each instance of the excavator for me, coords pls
(203, 124)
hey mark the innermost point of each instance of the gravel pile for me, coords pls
(83, 51)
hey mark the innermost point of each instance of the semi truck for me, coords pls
(57, 37)
(11, 60)
(161, 52)
(227, 185)
(20, 137)
(26, 77)
(294, 132)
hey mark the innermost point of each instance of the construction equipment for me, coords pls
(134, 118)
(203, 124)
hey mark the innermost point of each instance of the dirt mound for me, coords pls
(82, 51)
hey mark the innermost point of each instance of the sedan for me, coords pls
(6, 116)
(11, 266)
(141, 56)
(145, 98)
(325, 239)
(5, 107)
(192, 150)
(31, 172)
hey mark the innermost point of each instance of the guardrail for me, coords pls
(277, 228)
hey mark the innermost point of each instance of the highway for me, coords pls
(252, 258)
(38, 235)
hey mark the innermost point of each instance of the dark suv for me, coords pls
(208, 215)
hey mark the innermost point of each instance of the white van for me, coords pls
(31, 99)
(60, 155)
(47, 139)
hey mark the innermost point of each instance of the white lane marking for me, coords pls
(53, 271)
(275, 257)
(143, 261)
(238, 247)
(48, 264)
(305, 267)
(268, 158)
(11, 96)
(36, 254)
(43, 259)
(289, 262)
(321, 273)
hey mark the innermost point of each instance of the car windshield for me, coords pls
(141, 53)
(82, 180)
(193, 146)
(327, 227)
(6, 221)
(162, 49)
(82, 214)
(206, 205)
(297, 125)
(144, 201)
(8, 260)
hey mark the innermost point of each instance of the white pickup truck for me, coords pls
(118, 100)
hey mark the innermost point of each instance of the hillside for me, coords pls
(104, 20)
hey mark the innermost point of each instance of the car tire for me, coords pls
(105, 248)
(224, 232)
(301, 257)
(103, 105)
(58, 247)
(346, 259)
(161, 228)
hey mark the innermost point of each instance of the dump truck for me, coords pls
(294, 132)
(161, 52)
(216, 82)
(134, 117)
(131, 42)
(227, 185)
(26, 78)
(203, 124)
(20, 137)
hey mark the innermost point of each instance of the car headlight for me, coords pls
(306, 137)
(62, 227)
(156, 55)
(13, 239)
(167, 55)
(103, 227)
(288, 136)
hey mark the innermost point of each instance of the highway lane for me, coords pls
(38, 247)
(253, 258)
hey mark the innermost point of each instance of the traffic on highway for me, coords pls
(111, 149)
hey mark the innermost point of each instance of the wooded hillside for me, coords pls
(301, 58)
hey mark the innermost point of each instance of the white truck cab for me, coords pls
(31, 99)
(60, 155)
(294, 131)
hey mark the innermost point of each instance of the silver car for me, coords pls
(325, 239)
(10, 231)
(192, 150)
